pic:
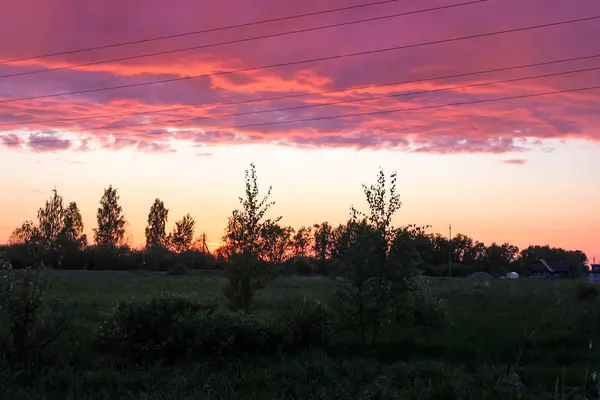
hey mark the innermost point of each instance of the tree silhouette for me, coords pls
(323, 240)
(111, 222)
(51, 219)
(275, 243)
(182, 237)
(73, 225)
(301, 241)
(26, 233)
(245, 245)
(157, 221)
(372, 254)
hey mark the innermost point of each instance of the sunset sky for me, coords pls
(524, 170)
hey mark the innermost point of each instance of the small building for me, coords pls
(543, 269)
(594, 274)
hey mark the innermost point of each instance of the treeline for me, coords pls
(316, 249)
(57, 239)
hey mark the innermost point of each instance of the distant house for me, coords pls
(549, 270)
(594, 274)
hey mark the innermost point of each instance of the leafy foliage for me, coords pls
(276, 242)
(111, 222)
(72, 230)
(157, 222)
(247, 244)
(375, 264)
(51, 219)
(172, 329)
(23, 234)
(182, 237)
(30, 324)
(301, 241)
(322, 240)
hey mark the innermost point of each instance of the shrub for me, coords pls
(178, 269)
(111, 258)
(172, 329)
(158, 258)
(19, 255)
(244, 279)
(324, 267)
(197, 260)
(427, 311)
(29, 325)
(428, 379)
(302, 266)
(586, 291)
(308, 324)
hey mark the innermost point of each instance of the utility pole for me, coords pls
(204, 246)
(450, 250)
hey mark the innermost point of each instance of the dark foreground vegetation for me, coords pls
(364, 323)
(123, 335)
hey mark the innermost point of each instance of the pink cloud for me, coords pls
(421, 126)
(47, 143)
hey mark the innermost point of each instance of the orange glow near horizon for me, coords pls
(494, 204)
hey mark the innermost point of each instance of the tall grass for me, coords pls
(156, 336)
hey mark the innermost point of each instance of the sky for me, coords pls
(497, 160)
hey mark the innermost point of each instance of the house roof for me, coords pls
(550, 266)
(595, 267)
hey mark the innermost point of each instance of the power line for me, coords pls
(379, 112)
(106, 46)
(298, 95)
(205, 46)
(412, 109)
(307, 61)
(305, 106)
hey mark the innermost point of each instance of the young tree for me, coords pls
(323, 240)
(51, 219)
(341, 239)
(276, 242)
(73, 225)
(182, 237)
(501, 255)
(24, 234)
(157, 221)
(70, 241)
(372, 262)
(111, 222)
(461, 248)
(301, 241)
(243, 244)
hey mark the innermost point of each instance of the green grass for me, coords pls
(487, 330)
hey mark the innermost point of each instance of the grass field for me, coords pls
(542, 328)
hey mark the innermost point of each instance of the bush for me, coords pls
(28, 325)
(419, 307)
(197, 260)
(428, 379)
(302, 266)
(158, 258)
(308, 324)
(111, 258)
(586, 291)
(172, 329)
(245, 277)
(19, 256)
(178, 269)
(324, 267)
